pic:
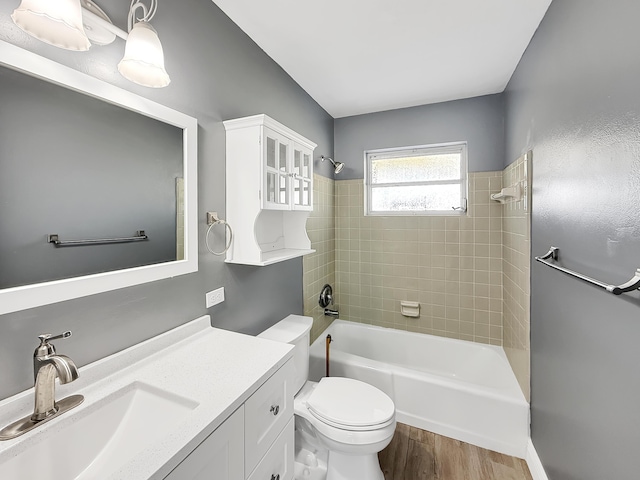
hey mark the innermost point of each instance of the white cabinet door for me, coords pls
(267, 411)
(219, 457)
(276, 194)
(302, 178)
(278, 461)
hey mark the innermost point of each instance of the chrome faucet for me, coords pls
(331, 313)
(47, 365)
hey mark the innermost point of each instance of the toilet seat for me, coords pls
(350, 404)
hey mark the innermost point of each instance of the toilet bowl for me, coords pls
(341, 421)
(352, 420)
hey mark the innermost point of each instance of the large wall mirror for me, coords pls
(97, 185)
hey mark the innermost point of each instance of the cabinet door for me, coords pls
(278, 461)
(277, 181)
(219, 457)
(267, 411)
(302, 178)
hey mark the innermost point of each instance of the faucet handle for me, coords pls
(45, 348)
(326, 296)
(47, 336)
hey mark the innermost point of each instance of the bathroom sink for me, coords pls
(96, 441)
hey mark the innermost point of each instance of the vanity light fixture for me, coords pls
(77, 24)
(143, 61)
(56, 23)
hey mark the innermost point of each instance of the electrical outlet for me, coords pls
(215, 297)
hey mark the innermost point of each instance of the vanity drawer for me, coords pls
(277, 464)
(266, 412)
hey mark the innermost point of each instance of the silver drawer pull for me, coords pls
(275, 477)
(275, 409)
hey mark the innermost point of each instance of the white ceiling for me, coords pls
(362, 56)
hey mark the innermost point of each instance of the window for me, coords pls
(427, 180)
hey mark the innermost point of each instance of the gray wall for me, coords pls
(574, 100)
(479, 121)
(217, 73)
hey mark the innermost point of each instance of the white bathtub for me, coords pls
(463, 390)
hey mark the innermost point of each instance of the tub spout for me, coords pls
(331, 313)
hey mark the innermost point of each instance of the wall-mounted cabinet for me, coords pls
(269, 190)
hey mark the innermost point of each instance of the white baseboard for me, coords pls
(534, 463)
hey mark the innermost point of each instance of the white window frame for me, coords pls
(434, 149)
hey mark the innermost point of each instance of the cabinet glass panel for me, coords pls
(271, 152)
(302, 196)
(282, 157)
(283, 197)
(271, 187)
(306, 193)
(296, 162)
(306, 166)
(297, 183)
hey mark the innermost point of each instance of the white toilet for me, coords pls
(340, 422)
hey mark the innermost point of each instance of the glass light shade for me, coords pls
(143, 61)
(56, 22)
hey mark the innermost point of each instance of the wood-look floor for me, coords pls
(416, 454)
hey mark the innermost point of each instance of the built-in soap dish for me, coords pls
(514, 192)
(410, 309)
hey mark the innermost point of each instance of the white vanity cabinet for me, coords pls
(269, 190)
(254, 443)
(219, 457)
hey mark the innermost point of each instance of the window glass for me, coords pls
(416, 168)
(428, 180)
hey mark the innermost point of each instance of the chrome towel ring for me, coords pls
(212, 221)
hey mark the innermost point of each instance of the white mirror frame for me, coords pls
(28, 296)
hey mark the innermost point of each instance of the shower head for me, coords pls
(338, 166)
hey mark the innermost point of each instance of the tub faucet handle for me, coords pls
(326, 296)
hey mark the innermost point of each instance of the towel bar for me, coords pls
(55, 239)
(633, 284)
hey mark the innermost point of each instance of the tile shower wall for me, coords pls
(451, 265)
(516, 266)
(319, 267)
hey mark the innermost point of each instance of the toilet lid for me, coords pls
(350, 403)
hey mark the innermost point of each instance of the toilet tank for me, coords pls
(295, 329)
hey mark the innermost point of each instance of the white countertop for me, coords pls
(216, 368)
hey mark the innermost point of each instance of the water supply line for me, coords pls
(327, 342)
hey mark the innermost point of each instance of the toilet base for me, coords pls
(353, 467)
(307, 466)
(310, 459)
